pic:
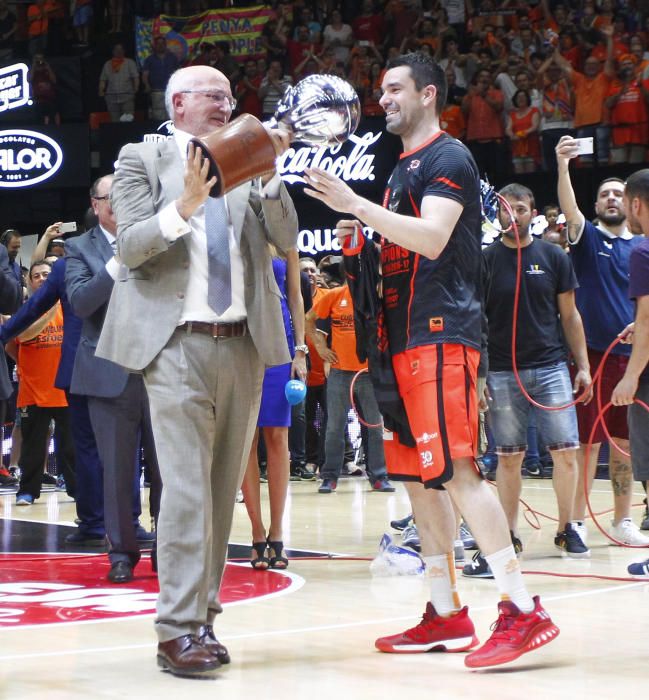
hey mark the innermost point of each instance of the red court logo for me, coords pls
(45, 589)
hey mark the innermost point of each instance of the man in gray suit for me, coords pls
(203, 359)
(117, 400)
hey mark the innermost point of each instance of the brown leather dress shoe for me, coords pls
(210, 642)
(186, 656)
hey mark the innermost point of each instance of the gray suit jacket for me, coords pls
(147, 300)
(89, 287)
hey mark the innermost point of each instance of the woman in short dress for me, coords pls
(275, 419)
(523, 130)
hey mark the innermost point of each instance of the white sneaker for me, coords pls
(580, 528)
(410, 538)
(627, 532)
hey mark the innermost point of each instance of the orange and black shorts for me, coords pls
(438, 386)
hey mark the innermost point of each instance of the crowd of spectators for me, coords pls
(521, 75)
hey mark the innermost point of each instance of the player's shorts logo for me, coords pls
(426, 437)
(426, 458)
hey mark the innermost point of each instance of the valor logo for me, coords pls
(14, 88)
(27, 158)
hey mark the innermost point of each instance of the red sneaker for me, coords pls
(433, 633)
(514, 634)
(7, 478)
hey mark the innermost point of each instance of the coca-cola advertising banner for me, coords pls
(364, 162)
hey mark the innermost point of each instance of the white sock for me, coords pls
(507, 572)
(443, 586)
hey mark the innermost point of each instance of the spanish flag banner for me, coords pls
(240, 27)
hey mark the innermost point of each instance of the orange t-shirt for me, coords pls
(590, 94)
(316, 375)
(337, 305)
(452, 121)
(629, 116)
(483, 123)
(38, 20)
(38, 362)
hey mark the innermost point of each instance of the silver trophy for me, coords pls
(321, 110)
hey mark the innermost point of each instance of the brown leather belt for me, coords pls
(216, 330)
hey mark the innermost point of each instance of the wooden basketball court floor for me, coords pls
(315, 641)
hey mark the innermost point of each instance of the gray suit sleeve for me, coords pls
(279, 218)
(139, 236)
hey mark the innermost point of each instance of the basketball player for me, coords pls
(430, 258)
(635, 381)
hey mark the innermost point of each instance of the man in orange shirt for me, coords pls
(38, 355)
(315, 379)
(485, 131)
(337, 306)
(627, 100)
(591, 89)
(38, 15)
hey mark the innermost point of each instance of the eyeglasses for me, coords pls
(214, 96)
(101, 199)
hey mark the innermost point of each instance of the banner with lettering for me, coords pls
(241, 27)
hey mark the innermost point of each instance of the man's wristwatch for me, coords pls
(304, 348)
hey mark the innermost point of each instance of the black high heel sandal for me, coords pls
(261, 563)
(275, 549)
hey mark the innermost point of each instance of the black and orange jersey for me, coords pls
(434, 301)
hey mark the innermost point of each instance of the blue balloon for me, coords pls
(295, 391)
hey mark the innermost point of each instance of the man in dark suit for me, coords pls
(117, 401)
(11, 239)
(89, 492)
(202, 327)
(11, 295)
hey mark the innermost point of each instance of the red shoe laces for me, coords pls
(503, 627)
(418, 631)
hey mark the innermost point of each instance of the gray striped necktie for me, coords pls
(219, 288)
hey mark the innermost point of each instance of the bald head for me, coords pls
(188, 86)
(101, 204)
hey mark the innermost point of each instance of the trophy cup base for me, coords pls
(237, 152)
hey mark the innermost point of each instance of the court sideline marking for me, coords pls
(300, 630)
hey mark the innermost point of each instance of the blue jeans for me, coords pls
(537, 452)
(509, 409)
(338, 405)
